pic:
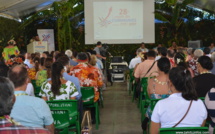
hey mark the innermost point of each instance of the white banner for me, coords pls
(47, 35)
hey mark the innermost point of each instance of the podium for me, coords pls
(37, 46)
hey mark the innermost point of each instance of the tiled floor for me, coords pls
(119, 115)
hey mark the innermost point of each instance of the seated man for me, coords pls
(136, 60)
(8, 125)
(28, 110)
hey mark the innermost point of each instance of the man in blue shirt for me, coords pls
(29, 111)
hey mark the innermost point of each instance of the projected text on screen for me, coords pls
(117, 20)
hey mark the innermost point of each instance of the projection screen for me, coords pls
(119, 21)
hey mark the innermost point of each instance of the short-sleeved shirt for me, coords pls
(169, 112)
(134, 62)
(97, 52)
(31, 111)
(67, 91)
(143, 67)
(203, 83)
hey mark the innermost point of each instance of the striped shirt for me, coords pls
(210, 104)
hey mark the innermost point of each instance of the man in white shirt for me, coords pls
(143, 48)
(135, 60)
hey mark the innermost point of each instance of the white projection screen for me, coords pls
(119, 21)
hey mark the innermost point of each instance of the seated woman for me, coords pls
(58, 88)
(205, 80)
(180, 61)
(182, 108)
(157, 86)
(33, 71)
(45, 70)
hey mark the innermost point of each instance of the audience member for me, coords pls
(170, 56)
(143, 48)
(212, 47)
(28, 110)
(207, 51)
(58, 88)
(180, 61)
(7, 100)
(135, 60)
(158, 86)
(41, 75)
(213, 60)
(162, 52)
(193, 62)
(205, 80)
(183, 102)
(210, 104)
(69, 54)
(145, 66)
(28, 60)
(33, 71)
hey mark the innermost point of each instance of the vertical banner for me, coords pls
(47, 35)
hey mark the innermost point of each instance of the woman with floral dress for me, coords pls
(58, 88)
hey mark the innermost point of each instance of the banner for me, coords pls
(47, 35)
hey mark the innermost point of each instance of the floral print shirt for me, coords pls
(88, 75)
(32, 73)
(67, 91)
(193, 65)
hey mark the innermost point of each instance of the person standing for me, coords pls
(10, 50)
(143, 48)
(98, 52)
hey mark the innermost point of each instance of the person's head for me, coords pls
(58, 56)
(11, 42)
(207, 50)
(170, 53)
(68, 53)
(82, 57)
(213, 57)
(64, 60)
(204, 63)
(45, 54)
(174, 44)
(99, 44)
(33, 55)
(181, 81)
(198, 53)
(163, 51)
(138, 51)
(212, 45)
(180, 59)
(74, 54)
(48, 63)
(19, 76)
(164, 65)
(56, 75)
(36, 62)
(42, 61)
(142, 45)
(93, 60)
(27, 56)
(151, 54)
(6, 96)
(189, 51)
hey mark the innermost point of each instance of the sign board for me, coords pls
(37, 46)
(47, 35)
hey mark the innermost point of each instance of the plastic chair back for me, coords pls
(184, 130)
(61, 118)
(153, 102)
(87, 95)
(36, 88)
(70, 105)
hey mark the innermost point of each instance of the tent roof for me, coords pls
(19, 8)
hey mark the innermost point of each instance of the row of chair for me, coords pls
(144, 102)
(65, 112)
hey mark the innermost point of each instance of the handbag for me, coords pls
(184, 114)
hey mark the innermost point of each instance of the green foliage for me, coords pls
(9, 30)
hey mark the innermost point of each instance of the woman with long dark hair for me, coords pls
(183, 102)
(58, 88)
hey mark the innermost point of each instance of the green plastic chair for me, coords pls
(70, 121)
(88, 102)
(101, 99)
(144, 94)
(131, 79)
(36, 88)
(184, 130)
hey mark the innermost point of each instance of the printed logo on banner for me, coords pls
(46, 37)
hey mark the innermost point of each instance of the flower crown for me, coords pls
(11, 42)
